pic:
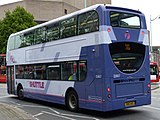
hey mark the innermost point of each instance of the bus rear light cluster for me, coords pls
(109, 90)
(149, 86)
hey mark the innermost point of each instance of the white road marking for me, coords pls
(42, 107)
(35, 118)
(152, 107)
(155, 97)
(77, 116)
(65, 116)
(6, 96)
(58, 115)
(53, 112)
(37, 115)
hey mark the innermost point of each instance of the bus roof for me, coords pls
(72, 14)
(123, 9)
(59, 18)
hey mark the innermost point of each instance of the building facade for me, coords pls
(44, 10)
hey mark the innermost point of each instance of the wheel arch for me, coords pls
(19, 86)
(68, 90)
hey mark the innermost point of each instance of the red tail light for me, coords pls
(108, 90)
(142, 32)
(109, 30)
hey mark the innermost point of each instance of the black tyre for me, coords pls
(72, 101)
(20, 92)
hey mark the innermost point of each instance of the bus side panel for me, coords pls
(45, 97)
(93, 84)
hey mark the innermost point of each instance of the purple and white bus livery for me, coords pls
(96, 58)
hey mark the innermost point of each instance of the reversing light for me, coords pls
(109, 95)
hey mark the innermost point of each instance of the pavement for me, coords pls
(10, 112)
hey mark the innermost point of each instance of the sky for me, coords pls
(148, 7)
(7, 1)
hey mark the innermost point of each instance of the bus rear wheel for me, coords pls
(72, 101)
(20, 92)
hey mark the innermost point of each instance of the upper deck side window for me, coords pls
(88, 22)
(72, 26)
(68, 27)
(52, 32)
(11, 43)
(124, 20)
(27, 39)
(39, 35)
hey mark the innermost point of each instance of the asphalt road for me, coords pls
(48, 111)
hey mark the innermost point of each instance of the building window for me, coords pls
(65, 11)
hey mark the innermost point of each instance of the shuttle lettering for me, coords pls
(36, 84)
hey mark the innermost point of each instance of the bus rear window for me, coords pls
(124, 20)
(127, 57)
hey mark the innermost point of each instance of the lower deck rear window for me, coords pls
(127, 57)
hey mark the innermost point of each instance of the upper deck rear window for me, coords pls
(124, 20)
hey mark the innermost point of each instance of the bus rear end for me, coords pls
(3, 68)
(128, 84)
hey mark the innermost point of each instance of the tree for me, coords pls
(15, 21)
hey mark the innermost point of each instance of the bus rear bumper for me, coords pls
(127, 103)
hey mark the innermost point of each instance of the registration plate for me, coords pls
(130, 103)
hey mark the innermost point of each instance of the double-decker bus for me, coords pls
(96, 58)
(154, 72)
(2, 68)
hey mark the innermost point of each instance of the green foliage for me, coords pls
(15, 21)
